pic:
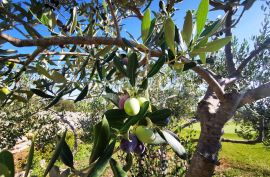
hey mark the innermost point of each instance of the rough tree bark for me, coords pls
(213, 114)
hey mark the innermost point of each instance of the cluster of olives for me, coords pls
(140, 134)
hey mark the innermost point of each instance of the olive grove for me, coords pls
(77, 48)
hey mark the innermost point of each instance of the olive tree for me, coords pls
(73, 46)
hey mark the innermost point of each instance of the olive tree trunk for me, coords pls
(213, 115)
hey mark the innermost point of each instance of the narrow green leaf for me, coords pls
(110, 74)
(248, 4)
(214, 45)
(144, 84)
(99, 70)
(151, 29)
(44, 19)
(6, 158)
(30, 158)
(55, 100)
(74, 20)
(109, 58)
(187, 28)
(93, 72)
(66, 155)
(119, 66)
(177, 35)
(213, 28)
(101, 139)
(102, 162)
(129, 161)
(56, 153)
(57, 77)
(19, 98)
(128, 43)
(4, 171)
(82, 94)
(169, 33)
(146, 23)
(41, 93)
(132, 68)
(202, 13)
(159, 117)
(42, 71)
(7, 52)
(104, 51)
(203, 57)
(117, 169)
(175, 144)
(52, 19)
(116, 117)
(156, 67)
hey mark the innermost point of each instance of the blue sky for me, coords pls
(248, 26)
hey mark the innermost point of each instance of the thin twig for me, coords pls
(114, 18)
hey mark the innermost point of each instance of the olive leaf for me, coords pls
(203, 57)
(56, 153)
(129, 162)
(116, 117)
(187, 28)
(82, 94)
(41, 93)
(214, 45)
(7, 161)
(57, 77)
(30, 158)
(169, 33)
(7, 52)
(201, 16)
(117, 169)
(109, 58)
(119, 66)
(132, 67)
(159, 117)
(66, 155)
(101, 139)
(4, 171)
(74, 20)
(56, 99)
(102, 162)
(156, 67)
(175, 144)
(213, 28)
(146, 23)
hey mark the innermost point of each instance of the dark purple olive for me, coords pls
(167, 121)
(140, 148)
(129, 146)
(222, 131)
